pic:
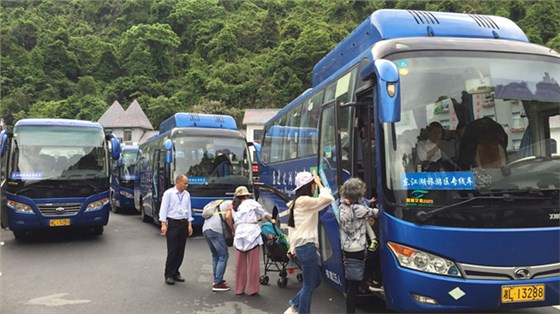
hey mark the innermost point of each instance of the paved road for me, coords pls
(122, 272)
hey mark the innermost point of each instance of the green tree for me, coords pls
(542, 22)
(149, 49)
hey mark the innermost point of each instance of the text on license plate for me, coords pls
(523, 293)
(59, 222)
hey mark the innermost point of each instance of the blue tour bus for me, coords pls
(122, 179)
(56, 175)
(207, 148)
(477, 228)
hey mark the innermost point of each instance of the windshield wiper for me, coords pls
(506, 195)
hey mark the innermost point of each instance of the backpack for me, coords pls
(210, 208)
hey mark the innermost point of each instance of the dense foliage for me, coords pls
(73, 58)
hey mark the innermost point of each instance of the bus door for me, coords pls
(365, 143)
(4, 161)
(336, 155)
(3, 197)
(159, 181)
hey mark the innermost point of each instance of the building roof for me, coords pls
(135, 117)
(258, 116)
(117, 118)
(110, 119)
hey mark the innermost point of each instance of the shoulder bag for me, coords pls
(228, 235)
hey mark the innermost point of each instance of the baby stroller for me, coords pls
(275, 259)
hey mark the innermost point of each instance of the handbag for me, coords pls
(354, 269)
(226, 231)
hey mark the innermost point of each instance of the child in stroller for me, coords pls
(275, 256)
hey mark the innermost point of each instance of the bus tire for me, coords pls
(145, 218)
(98, 230)
(114, 207)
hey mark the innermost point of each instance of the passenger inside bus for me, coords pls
(433, 151)
(222, 165)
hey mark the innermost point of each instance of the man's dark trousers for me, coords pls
(176, 240)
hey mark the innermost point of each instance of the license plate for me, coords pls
(59, 222)
(524, 293)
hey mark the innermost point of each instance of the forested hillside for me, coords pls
(73, 58)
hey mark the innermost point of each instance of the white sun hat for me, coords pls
(303, 178)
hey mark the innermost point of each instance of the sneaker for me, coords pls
(375, 287)
(373, 245)
(290, 310)
(220, 287)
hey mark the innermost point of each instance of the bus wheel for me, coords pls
(114, 207)
(98, 230)
(19, 235)
(145, 218)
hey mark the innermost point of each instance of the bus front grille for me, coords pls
(510, 273)
(59, 209)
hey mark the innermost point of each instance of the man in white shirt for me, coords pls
(175, 215)
(429, 150)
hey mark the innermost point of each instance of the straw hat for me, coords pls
(241, 191)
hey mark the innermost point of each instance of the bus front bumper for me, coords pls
(413, 291)
(33, 221)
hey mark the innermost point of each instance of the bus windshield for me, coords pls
(213, 161)
(129, 163)
(478, 134)
(58, 153)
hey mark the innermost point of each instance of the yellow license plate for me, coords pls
(524, 293)
(59, 222)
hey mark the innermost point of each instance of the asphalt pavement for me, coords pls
(121, 271)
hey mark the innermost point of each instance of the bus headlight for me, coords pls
(422, 261)
(126, 194)
(97, 205)
(20, 207)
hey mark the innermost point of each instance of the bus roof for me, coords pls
(58, 122)
(199, 120)
(391, 24)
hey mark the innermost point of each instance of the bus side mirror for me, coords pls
(3, 142)
(115, 147)
(389, 90)
(168, 151)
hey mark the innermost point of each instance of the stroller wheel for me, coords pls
(282, 282)
(299, 277)
(283, 274)
(264, 280)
